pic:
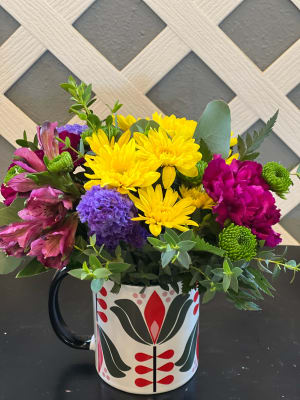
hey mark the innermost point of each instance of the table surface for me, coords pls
(243, 355)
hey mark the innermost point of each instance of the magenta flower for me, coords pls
(16, 238)
(8, 194)
(74, 140)
(47, 135)
(47, 205)
(29, 160)
(242, 196)
(53, 249)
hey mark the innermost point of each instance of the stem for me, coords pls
(201, 272)
(296, 268)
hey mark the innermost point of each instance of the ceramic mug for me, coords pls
(144, 343)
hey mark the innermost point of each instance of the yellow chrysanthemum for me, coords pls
(125, 123)
(99, 140)
(163, 211)
(198, 197)
(169, 153)
(116, 165)
(173, 125)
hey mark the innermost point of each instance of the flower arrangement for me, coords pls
(155, 201)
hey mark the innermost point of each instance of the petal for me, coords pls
(168, 176)
(155, 229)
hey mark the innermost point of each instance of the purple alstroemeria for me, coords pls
(16, 238)
(47, 205)
(53, 249)
(47, 137)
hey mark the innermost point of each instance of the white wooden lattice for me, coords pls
(192, 25)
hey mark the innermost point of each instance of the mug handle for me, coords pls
(64, 333)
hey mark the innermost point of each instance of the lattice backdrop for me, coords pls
(185, 33)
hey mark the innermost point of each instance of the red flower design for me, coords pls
(154, 315)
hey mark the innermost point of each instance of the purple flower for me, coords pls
(75, 128)
(242, 196)
(53, 249)
(16, 238)
(108, 215)
(47, 205)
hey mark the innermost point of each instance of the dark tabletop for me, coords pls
(243, 355)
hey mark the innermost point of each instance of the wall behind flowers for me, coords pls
(170, 55)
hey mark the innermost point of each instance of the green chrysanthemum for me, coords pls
(61, 163)
(13, 171)
(278, 178)
(238, 242)
(197, 180)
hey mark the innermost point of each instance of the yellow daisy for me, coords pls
(116, 165)
(198, 197)
(125, 123)
(169, 153)
(99, 140)
(163, 211)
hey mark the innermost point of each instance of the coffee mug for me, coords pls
(145, 339)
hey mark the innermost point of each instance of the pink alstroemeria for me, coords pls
(29, 160)
(20, 183)
(47, 135)
(47, 205)
(54, 248)
(16, 238)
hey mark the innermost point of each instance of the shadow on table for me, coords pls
(83, 379)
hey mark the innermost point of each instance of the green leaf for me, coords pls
(34, 267)
(247, 151)
(9, 214)
(234, 284)
(170, 239)
(214, 127)
(207, 155)
(184, 259)
(93, 240)
(187, 235)
(156, 242)
(116, 267)
(226, 268)
(173, 234)
(186, 245)
(71, 81)
(263, 284)
(226, 282)
(76, 273)
(166, 257)
(96, 285)
(143, 125)
(8, 263)
(101, 273)
(94, 261)
(202, 245)
(208, 296)
(237, 272)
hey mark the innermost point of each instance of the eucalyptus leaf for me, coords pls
(186, 245)
(143, 125)
(226, 282)
(101, 273)
(96, 285)
(184, 259)
(76, 273)
(208, 296)
(214, 127)
(116, 267)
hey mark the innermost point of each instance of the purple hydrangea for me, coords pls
(108, 215)
(74, 128)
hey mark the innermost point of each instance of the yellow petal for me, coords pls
(155, 229)
(168, 176)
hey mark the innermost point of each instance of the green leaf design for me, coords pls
(202, 245)
(180, 320)
(247, 148)
(8, 263)
(188, 355)
(132, 320)
(113, 361)
(214, 127)
(172, 315)
(34, 267)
